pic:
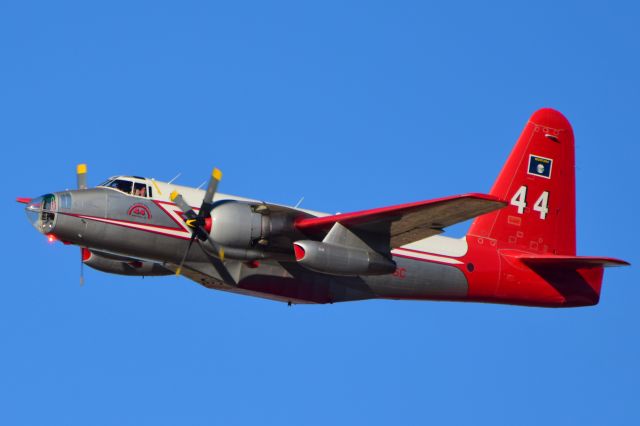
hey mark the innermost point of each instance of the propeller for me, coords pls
(83, 254)
(202, 220)
(81, 175)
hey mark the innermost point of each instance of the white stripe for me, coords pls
(143, 227)
(426, 256)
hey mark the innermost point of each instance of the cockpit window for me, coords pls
(140, 189)
(122, 185)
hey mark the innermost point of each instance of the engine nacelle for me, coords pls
(339, 260)
(248, 232)
(236, 224)
(122, 267)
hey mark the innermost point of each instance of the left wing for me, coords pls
(406, 223)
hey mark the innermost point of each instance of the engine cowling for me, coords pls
(340, 260)
(249, 231)
(122, 267)
(235, 224)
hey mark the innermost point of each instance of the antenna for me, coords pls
(201, 185)
(176, 177)
(299, 202)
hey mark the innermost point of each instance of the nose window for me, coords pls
(41, 212)
(49, 208)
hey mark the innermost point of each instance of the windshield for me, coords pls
(106, 182)
(121, 185)
(129, 187)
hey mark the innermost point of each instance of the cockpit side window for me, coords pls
(122, 185)
(140, 189)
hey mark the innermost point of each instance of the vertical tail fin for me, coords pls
(538, 180)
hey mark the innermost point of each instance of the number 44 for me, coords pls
(541, 205)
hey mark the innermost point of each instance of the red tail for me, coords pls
(539, 181)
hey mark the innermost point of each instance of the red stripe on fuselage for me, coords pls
(405, 256)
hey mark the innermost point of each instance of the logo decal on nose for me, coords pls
(139, 210)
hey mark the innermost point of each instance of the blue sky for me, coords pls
(352, 105)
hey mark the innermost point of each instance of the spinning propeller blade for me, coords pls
(186, 253)
(197, 221)
(207, 202)
(81, 174)
(183, 206)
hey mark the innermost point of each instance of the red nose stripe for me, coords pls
(23, 200)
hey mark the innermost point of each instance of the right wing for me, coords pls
(405, 223)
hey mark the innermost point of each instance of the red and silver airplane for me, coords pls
(520, 249)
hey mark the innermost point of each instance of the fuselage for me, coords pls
(520, 248)
(149, 227)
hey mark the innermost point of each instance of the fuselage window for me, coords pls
(140, 189)
(149, 192)
(65, 200)
(122, 185)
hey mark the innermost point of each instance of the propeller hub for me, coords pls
(198, 222)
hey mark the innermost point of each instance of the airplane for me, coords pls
(520, 248)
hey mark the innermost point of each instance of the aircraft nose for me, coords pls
(33, 211)
(41, 213)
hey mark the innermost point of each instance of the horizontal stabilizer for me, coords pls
(570, 262)
(406, 223)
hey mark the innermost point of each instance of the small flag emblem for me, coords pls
(540, 166)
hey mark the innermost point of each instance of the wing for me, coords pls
(406, 223)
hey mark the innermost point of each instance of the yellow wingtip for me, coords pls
(173, 195)
(217, 174)
(81, 169)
